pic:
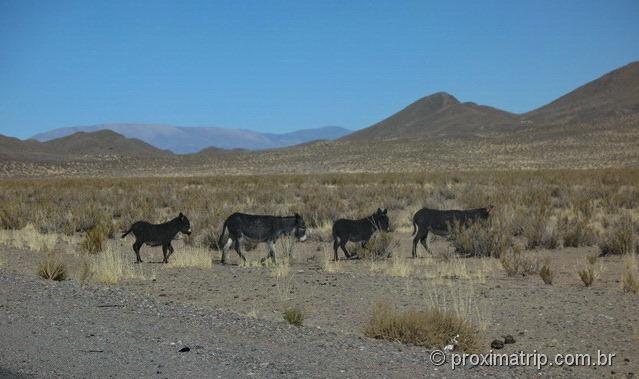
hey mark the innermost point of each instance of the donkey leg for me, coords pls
(165, 249)
(425, 242)
(415, 240)
(136, 248)
(271, 251)
(225, 250)
(335, 246)
(343, 246)
(238, 250)
(171, 250)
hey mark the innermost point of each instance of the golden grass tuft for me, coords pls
(588, 275)
(432, 328)
(546, 274)
(113, 265)
(516, 262)
(294, 316)
(188, 256)
(52, 268)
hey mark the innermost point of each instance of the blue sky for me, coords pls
(277, 66)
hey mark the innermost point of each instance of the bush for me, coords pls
(294, 316)
(481, 239)
(587, 276)
(380, 246)
(621, 239)
(515, 262)
(630, 283)
(539, 230)
(432, 328)
(546, 274)
(52, 268)
(94, 239)
(577, 232)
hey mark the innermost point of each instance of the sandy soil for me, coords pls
(563, 318)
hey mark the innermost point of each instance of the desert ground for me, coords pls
(110, 315)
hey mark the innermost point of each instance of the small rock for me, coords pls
(497, 344)
(184, 349)
(509, 339)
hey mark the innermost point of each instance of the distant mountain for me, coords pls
(439, 115)
(81, 144)
(612, 95)
(193, 139)
(611, 100)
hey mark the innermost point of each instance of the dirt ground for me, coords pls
(565, 317)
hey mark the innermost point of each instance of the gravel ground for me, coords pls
(62, 329)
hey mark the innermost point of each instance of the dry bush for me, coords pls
(516, 262)
(396, 267)
(630, 276)
(480, 239)
(113, 265)
(588, 275)
(432, 328)
(540, 231)
(577, 232)
(52, 268)
(94, 239)
(379, 246)
(191, 257)
(294, 316)
(546, 274)
(620, 239)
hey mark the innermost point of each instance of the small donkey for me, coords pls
(158, 235)
(361, 230)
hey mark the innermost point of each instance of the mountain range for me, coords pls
(184, 140)
(611, 101)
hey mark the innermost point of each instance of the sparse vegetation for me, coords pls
(94, 239)
(517, 262)
(380, 246)
(294, 316)
(587, 275)
(621, 238)
(431, 328)
(481, 239)
(546, 274)
(111, 266)
(191, 257)
(52, 268)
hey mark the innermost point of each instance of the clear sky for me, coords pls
(283, 65)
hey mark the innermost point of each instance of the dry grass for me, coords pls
(294, 316)
(29, 238)
(588, 275)
(517, 262)
(52, 268)
(396, 267)
(379, 246)
(111, 266)
(630, 276)
(431, 328)
(546, 274)
(621, 238)
(481, 239)
(94, 239)
(188, 256)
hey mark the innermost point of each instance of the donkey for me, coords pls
(259, 228)
(439, 222)
(361, 230)
(158, 234)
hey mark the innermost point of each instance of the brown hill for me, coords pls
(439, 115)
(82, 144)
(614, 95)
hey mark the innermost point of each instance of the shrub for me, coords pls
(621, 239)
(630, 283)
(577, 232)
(546, 274)
(380, 246)
(112, 266)
(540, 231)
(94, 239)
(52, 268)
(587, 276)
(481, 239)
(516, 262)
(294, 316)
(191, 257)
(430, 328)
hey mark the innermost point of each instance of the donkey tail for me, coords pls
(219, 242)
(127, 232)
(414, 228)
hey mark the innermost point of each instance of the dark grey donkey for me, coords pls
(361, 230)
(260, 229)
(158, 235)
(439, 222)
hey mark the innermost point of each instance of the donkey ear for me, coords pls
(384, 211)
(379, 210)
(180, 215)
(297, 216)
